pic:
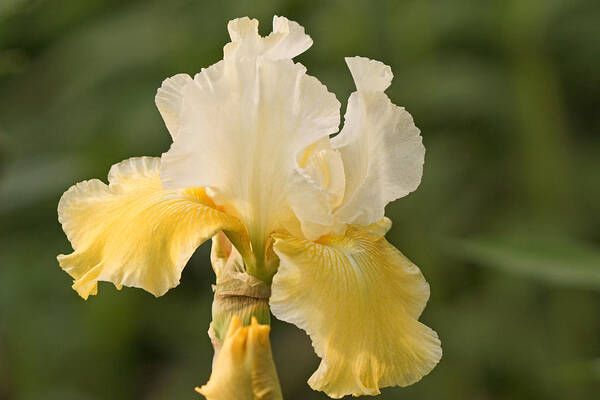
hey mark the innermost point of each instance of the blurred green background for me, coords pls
(505, 225)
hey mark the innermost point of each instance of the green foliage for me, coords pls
(506, 94)
(560, 262)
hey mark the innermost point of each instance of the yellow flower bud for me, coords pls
(244, 368)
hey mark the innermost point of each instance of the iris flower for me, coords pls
(253, 157)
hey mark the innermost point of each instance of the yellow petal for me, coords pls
(133, 232)
(359, 299)
(244, 367)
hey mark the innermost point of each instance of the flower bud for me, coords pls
(244, 368)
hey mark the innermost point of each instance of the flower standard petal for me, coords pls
(133, 232)
(169, 101)
(244, 367)
(287, 40)
(321, 169)
(359, 299)
(380, 145)
(244, 123)
(290, 39)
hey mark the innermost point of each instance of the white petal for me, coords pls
(287, 40)
(369, 75)
(322, 169)
(380, 145)
(169, 100)
(310, 205)
(325, 166)
(243, 125)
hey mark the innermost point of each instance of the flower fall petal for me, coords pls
(358, 298)
(133, 232)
